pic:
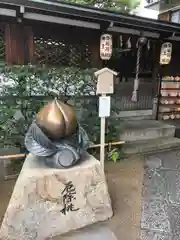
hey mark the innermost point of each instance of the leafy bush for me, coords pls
(25, 89)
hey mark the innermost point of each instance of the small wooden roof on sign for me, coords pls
(99, 72)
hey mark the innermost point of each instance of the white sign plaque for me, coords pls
(104, 106)
(105, 81)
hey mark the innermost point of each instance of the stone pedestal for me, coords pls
(48, 202)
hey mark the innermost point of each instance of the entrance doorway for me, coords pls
(124, 62)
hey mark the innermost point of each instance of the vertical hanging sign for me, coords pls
(105, 85)
(106, 46)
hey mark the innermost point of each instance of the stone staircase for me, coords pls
(144, 136)
(135, 115)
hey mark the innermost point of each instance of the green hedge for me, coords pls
(25, 89)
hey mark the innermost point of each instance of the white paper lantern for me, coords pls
(106, 47)
(166, 52)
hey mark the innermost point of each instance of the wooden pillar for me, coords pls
(18, 44)
(14, 44)
(7, 39)
(156, 57)
(155, 78)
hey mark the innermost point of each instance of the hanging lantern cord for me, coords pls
(136, 81)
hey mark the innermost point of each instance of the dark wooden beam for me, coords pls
(14, 43)
(19, 44)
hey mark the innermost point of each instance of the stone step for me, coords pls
(153, 145)
(144, 130)
(137, 118)
(135, 115)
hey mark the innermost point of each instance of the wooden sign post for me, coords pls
(105, 85)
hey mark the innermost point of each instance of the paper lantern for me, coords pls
(106, 47)
(166, 52)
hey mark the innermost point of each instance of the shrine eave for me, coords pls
(88, 17)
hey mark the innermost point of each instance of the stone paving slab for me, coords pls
(162, 184)
(155, 216)
(161, 197)
(164, 160)
(154, 185)
(171, 160)
(174, 216)
(150, 235)
(173, 187)
(153, 161)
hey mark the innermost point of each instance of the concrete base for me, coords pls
(49, 202)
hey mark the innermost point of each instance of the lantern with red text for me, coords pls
(106, 47)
